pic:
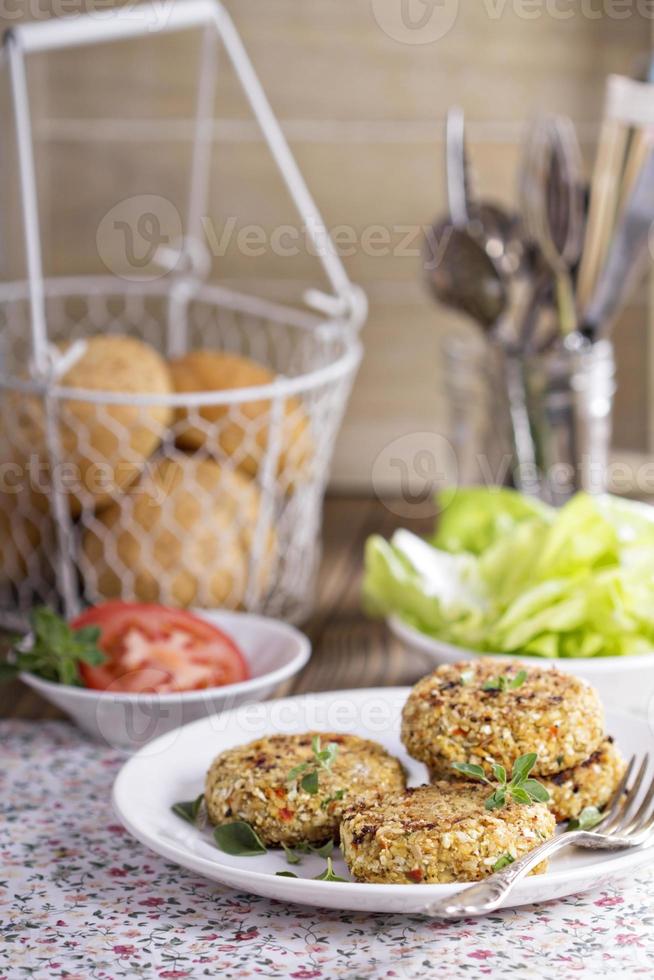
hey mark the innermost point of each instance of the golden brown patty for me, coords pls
(438, 833)
(251, 783)
(591, 783)
(449, 717)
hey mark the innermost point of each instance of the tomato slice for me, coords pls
(157, 649)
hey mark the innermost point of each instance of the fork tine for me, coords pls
(617, 799)
(644, 815)
(628, 802)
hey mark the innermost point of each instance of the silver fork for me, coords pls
(626, 823)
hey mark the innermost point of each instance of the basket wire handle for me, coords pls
(192, 263)
(347, 302)
(80, 30)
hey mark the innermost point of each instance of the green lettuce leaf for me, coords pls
(473, 518)
(436, 592)
(511, 576)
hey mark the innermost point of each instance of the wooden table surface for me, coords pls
(349, 650)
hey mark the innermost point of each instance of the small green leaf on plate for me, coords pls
(285, 874)
(589, 817)
(328, 873)
(325, 850)
(188, 810)
(238, 839)
(291, 856)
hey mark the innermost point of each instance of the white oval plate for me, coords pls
(173, 768)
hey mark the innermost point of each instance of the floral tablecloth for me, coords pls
(79, 898)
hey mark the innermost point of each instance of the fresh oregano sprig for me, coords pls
(53, 649)
(519, 788)
(506, 683)
(328, 874)
(308, 772)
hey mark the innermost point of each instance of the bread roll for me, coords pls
(240, 431)
(181, 536)
(103, 446)
(27, 537)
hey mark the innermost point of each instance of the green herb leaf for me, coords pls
(519, 795)
(589, 817)
(291, 856)
(503, 862)
(327, 755)
(309, 783)
(325, 850)
(496, 799)
(322, 759)
(238, 838)
(188, 810)
(505, 682)
(285, 874)
(328, 873)
(297, 771)
(499, 772)
(467, 769)
(522, 767)
(518, 680)
(54, 650)
(536, 790)
(338, 795)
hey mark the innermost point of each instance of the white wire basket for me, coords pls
(122, 478)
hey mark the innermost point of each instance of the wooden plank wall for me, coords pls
(362, 101)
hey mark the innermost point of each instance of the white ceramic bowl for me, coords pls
(274, 651)
(623, 682)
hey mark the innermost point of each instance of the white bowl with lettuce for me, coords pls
(507, 575)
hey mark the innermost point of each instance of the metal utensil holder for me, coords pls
(570, 394)
(313, 355)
